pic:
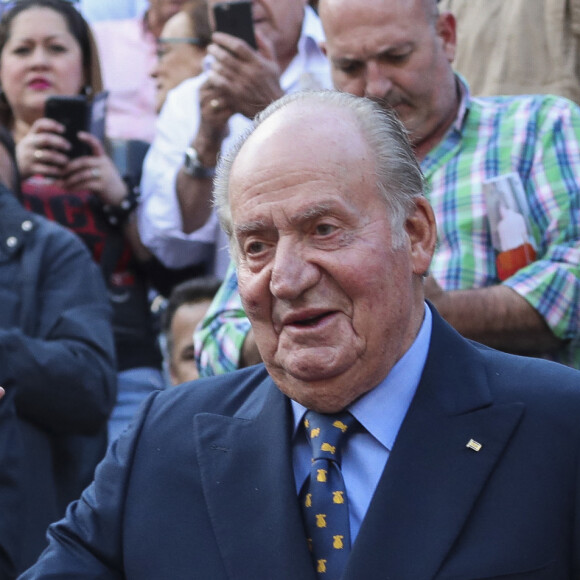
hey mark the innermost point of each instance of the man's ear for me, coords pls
(446, 28)
(422, 231)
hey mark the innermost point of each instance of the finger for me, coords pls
(225, 68)
(84, 178)
(212, 100)
(47, 170)
(231, 44)
(83, 164)
(46, 125)
(222, 81)
(48, 159)
(209, 91)
(96, 146)
(49, 142)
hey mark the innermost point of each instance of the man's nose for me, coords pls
(378, 81)
(293, 273)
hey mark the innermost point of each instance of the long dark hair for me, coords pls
(7, 142)
(76, 25)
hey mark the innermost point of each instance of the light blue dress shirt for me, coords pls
(381, 412)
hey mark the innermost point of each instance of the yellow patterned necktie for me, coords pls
(323, 496)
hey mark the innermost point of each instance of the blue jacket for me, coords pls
(58, 368)
(203, 486)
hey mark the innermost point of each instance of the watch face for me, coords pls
(192, 158)
(193, 166)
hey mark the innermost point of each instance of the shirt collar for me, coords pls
(464, 102)
(299, 73)
(382, 410)
(452, 138)
(312, 31)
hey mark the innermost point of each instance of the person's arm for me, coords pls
(537, 309)
(240, 80)
(88, 542)
(159, 215)
(496, 316)
(224, 341)
(64, 375)
(194, 185)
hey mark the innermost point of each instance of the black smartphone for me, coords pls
(74, 114)
(235, 18)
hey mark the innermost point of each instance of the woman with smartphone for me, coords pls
(46, 50)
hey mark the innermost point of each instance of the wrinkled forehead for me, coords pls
(297, 159)
(302, 134)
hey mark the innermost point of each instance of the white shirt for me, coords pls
(159, 216)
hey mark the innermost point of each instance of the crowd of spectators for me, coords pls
(133, 286)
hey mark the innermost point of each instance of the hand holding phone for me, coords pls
(73, 113)
(235, 18)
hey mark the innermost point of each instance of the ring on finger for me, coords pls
(214, 103)
(95, 173)
(38, 154)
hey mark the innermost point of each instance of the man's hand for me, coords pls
(248, 80)
(241, 80)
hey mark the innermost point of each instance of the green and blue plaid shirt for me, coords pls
(537, 137)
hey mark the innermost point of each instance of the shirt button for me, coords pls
(26, 226)
(11, 241)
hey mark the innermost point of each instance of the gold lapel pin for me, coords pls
(473, 444)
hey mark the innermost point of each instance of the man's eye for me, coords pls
(252, 248)
(325, 229)
(349, 68)
(399, 58)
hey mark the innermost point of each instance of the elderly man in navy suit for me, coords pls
(462, 462)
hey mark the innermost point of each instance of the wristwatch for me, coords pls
(193, 166)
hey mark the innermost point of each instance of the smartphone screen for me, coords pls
(235, 18)
(73, 113)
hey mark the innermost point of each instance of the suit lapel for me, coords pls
(248, 481)
(432, 479)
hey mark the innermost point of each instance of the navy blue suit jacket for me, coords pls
(203, 487)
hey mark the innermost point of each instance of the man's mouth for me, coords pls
(309, 321)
